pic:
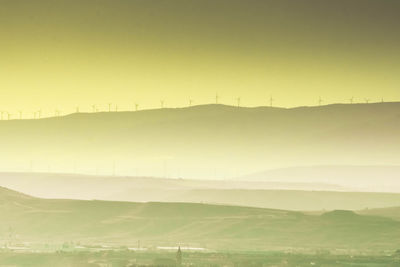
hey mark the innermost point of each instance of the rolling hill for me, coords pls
(210, 226)
(208, 141)
(390, 212)
(378, 178)
(263, 194)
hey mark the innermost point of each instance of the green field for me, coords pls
(125, 258)
(196, 225)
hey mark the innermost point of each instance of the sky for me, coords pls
(60, 54)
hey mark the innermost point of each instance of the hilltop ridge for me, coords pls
(208, 141)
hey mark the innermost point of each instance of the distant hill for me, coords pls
(265, 194)
(381, 178)
(208, 141)
(210, 226)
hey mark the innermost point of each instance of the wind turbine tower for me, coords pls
(109, 107)
(271, 101)
(238, 101)
(216, 98)
(136, 106)
(366, 100)
(320, 101)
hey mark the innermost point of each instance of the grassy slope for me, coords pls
(290, 199)
(392, 212)
(199, 224)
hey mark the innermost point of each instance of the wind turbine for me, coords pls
(351, 100)
(190, 102)
(238, 101)
(320, 101)
(136, 106)
(271, 101)
(113, 168)
(366, 100)
(216, 98)
(109, 107)
(94, 108)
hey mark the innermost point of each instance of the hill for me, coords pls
(210, 226)
(373, 178)
(209, 141)
(390, 212)
(7, 195)
(264, 194)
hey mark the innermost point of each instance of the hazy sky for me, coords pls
(64, 53)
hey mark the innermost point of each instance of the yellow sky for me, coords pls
(61, 54)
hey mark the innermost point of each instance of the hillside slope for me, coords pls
(204, 141)
(211, 226)
(372, 178)
(391, 212)
(276, 195)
